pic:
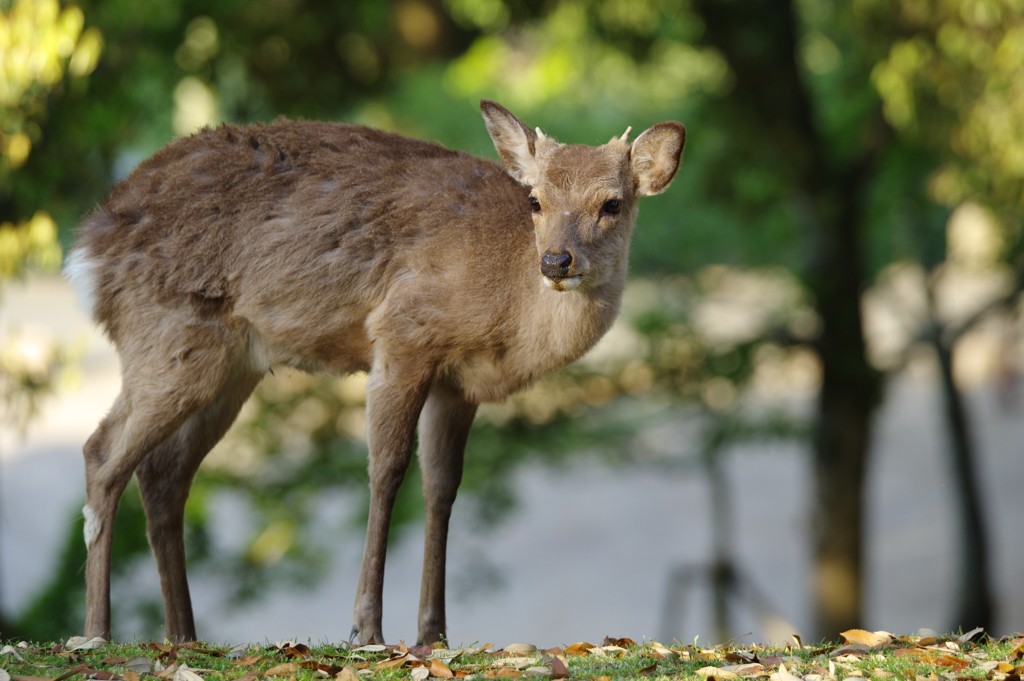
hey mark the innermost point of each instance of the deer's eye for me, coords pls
(612, 207)
(534, 204)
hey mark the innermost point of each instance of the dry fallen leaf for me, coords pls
(580, 648)
(184, 674)
(282, 669)
(538, 671)
(168, 672)
(83, 643)
(139, 665)
(520, 649)
(4, 676)
(371, 648)
(248, 659)
(955, 663)
(440, 670)
(717, 672)
(420, 674)
(391, 663)
(783, 674)
(649, 669)
(745, 669)
(867, 638)
(347, 674)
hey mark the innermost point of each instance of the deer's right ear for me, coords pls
(516, 143)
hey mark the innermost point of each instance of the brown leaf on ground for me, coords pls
(392, 663)
(248, 676)
(649, 669)
(913, 653)
(185, 674)
(247, 660)
(440, 670)
(558, 668)
(329, 669)
(955, 663)
(748, 669)
(347, 674)
(299, 651)
(867, 638)
(168, 672)
(621, 642)
(285, 669)
(580, 648)
(196, 648)
(16, 677)
(717, 673)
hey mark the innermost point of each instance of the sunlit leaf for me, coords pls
(440, 670)
(866, 638)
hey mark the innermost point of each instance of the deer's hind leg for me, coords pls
(165, 477)
(171, 369)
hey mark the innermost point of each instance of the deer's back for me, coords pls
(314, 238)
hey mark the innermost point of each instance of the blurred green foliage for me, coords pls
(883, 115)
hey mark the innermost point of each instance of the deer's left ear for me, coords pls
(516, 143)
(654, 157)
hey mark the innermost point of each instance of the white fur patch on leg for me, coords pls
(80, 270)
(92, 526)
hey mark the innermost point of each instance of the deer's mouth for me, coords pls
(562, 283)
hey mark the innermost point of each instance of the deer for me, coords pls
(451, 279)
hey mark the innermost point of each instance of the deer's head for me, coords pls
(584, 199)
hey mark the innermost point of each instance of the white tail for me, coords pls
(328, 246)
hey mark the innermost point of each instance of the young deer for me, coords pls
(335, 247)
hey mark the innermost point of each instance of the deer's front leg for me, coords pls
(444, 428)
(395, 394)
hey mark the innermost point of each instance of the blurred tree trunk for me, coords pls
(760, 41)
(974, 608)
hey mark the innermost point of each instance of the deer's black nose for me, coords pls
(555, 265)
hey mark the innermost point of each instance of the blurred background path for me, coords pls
(590, 548)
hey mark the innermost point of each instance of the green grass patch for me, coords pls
(861, 656)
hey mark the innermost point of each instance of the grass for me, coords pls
(863, 655)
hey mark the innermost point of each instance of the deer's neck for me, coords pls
(554, 329)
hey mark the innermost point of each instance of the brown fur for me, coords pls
(342, 248)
